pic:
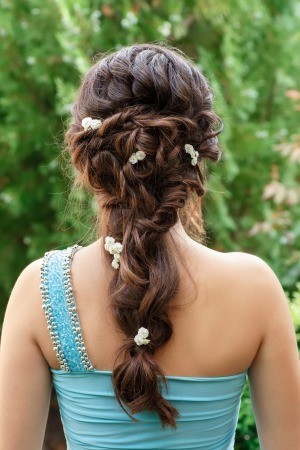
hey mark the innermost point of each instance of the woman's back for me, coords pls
(208, 404)
(217, 334)
(142, 127)
(213, 330)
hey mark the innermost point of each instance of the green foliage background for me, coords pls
(248, 51)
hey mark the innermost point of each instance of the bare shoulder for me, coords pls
(28, 281)
(25, 297)
(30, 273)
(246, 261)
(250, 261)
(250, 287)
(257, 278)
(249, 273)
(25, 377)
(275, 368)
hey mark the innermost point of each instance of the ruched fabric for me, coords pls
(92, 418)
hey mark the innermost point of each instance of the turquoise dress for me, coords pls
(91, 416)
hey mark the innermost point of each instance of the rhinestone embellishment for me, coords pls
(46, 305)
(72, 309)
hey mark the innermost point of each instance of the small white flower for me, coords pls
(109, 242)
(133, 159)
(194, 154)
(143, 332)
(138, 156)
(115, 249)
(189, 148)
(194, 160)
(115, 264)
(140, 337)
(91, 124)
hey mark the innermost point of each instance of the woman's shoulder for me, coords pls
(246, 267)
(30, 274)
(256, 284)
(247, 275)
(26, 293)
(254, 271)
(23, 304)
(28, 280)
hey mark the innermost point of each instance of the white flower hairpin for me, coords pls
(91, 124)
(191, 151)
(140, 338)
(138, 156)
(115, 249)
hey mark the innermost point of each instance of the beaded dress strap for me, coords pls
(60, 310)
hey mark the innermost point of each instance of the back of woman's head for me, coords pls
(150, 99)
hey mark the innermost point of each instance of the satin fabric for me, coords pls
(93, 420)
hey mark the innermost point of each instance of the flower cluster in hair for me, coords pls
(91, 124)
(115, 249)
(140, 337)
(138, 156)
(194, 154)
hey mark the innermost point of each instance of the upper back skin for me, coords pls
(216, 331)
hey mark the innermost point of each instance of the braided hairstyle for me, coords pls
(150, 98)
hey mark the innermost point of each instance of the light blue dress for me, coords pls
(91, 416)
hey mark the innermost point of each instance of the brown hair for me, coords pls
(152, 98)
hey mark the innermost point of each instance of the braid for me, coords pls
(150, 99)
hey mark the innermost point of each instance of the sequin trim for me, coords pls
(72, 308)
(46, 305)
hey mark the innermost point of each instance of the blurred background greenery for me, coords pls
(247, 50)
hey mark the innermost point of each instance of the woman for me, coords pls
(147, 334)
